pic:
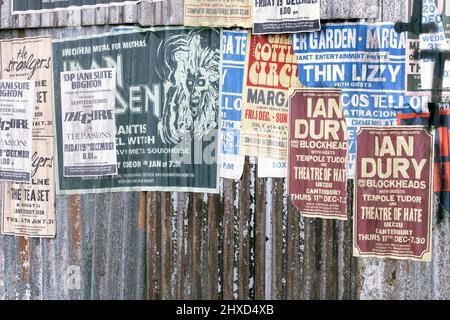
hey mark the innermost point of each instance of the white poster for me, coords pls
(16, 117)
(218, 13)
(272, 168)
(29, 209)
(233, 67)
(88, 122)
(285, 16)
(31, 59)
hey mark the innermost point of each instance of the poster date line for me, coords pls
(31, 221)
(391, 238)
(149, 164)
(265, 116)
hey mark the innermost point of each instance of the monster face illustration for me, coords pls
(196, 84)
(191, 88)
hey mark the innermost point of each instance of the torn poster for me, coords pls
(233, 62)
(271, 168)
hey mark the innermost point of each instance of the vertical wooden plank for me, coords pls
(60, 18)
(25, 266)
(101, 15)
(348, 269)
(75, 223)
(293, 256)
(153, 258)
(196, 272)
(183, 237)
(328, 281)
(277, 239)
(47, 20)
(142, 210)
(19, 20)
(301, 255)
(75, 231)
(174, 236)
(73, 17)
(190, 246)
(187, 245)
(204, 248)
(243, 242)
(115, 15)
(166, 245)
(150, 14)
(130, 13)
(260, 239)
(311, 272)
(214, 213)
(32, 20)
(7, 20)
(285, 243)
(220, 242)
(142, 220)
(228, 239)
(88, 17)
(176, 15)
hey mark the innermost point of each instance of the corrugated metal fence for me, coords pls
(247, 242)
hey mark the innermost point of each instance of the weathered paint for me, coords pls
(169, 12)
(247, 242)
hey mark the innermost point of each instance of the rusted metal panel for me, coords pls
(388, 279)
(187, 253)
(170, 12)
(98, 253)
(247, 242)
